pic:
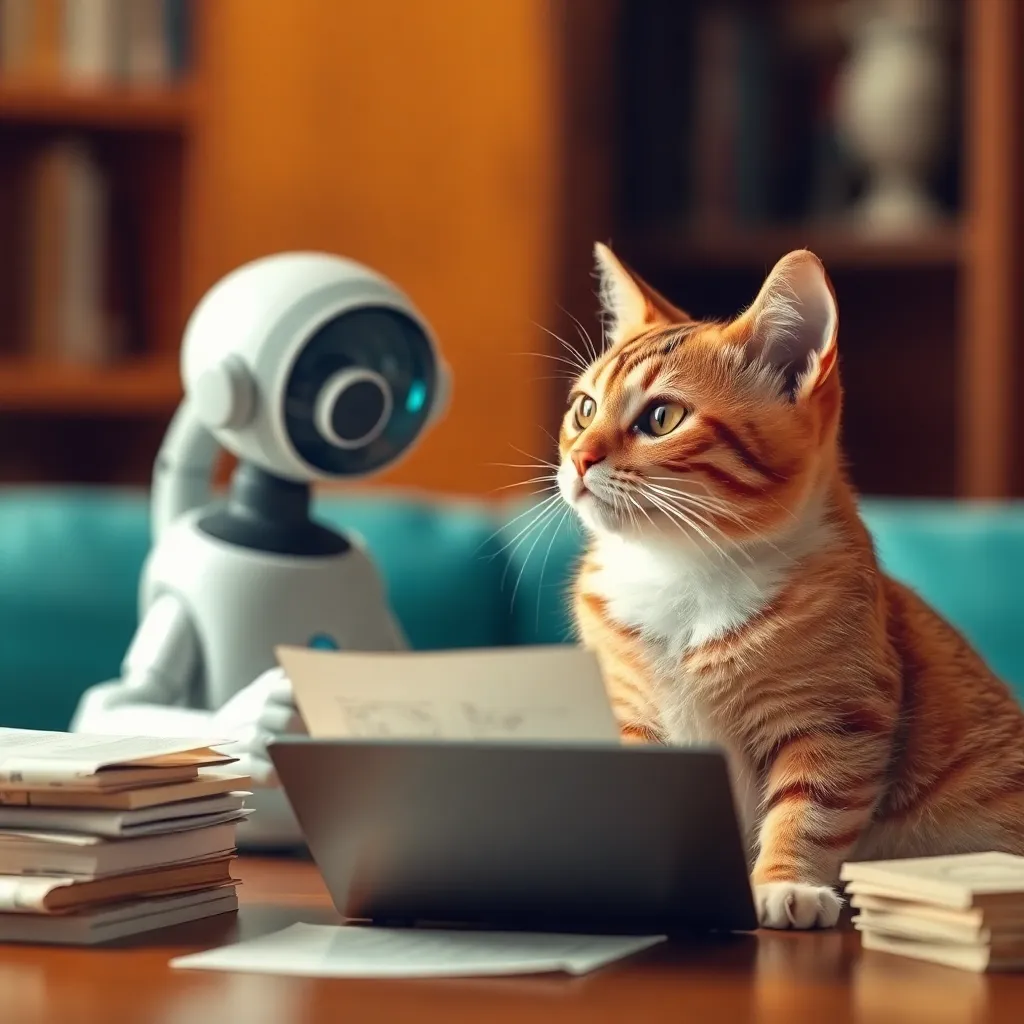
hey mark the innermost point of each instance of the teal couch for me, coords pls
(70, 560)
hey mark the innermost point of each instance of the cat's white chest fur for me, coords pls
(680, 595)
(679, 598)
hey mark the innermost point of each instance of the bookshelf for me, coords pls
(929, 321)
(98, 106)
(145, 110)
(838, 247)
(143, 386)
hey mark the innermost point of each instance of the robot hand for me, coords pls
(256, 715)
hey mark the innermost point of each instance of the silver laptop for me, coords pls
(526, 836)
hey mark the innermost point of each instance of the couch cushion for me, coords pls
(70, 562)
(69, 574)
(967, 561)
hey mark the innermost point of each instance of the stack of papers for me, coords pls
(964, 911)
(104, 836)
(353, 951)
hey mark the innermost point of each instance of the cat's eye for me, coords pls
(661, 419)
(584, 412)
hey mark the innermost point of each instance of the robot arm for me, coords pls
(155, 674)
(181, 477)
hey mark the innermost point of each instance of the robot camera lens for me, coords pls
(353, 407)
(358, 410)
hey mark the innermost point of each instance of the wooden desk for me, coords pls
(820, 978)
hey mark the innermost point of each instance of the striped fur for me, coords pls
(732, 595)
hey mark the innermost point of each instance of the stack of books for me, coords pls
(103, 837)
(963, 911)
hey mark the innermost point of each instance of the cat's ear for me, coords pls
(793, 323)
(630, 304)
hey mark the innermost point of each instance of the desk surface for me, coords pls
(770, 977)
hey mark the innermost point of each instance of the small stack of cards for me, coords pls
(963, 911)
(107, 836)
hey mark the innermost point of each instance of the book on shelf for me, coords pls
(69, 316)
(102, 837)
(964, 911)
(95, 43)
(73, 291)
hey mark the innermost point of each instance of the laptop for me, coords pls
(524, 836)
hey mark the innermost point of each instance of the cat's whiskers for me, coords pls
(686, 516)
(696, 506)
(642, 509)
(574, 354)
(717, 506)
(547, 477)
(549, 500)
(676, 485)
(678, 501)
(584, 335)
(687, 527)
(545, 511)
(547, 555)
(527, 455)
(540, 528)
(520, 465)
(764, 497)
(713, 505)
(571, 363)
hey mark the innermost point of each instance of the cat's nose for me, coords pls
(584, 460)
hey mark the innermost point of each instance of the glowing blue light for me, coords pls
(323, 642)
(416, 397)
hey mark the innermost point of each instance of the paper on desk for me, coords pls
(351, 951)
(31, 753)
(527, 693)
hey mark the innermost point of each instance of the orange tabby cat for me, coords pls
(731, 594)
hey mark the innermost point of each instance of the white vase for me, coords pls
(892, 107)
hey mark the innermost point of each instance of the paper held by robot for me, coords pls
(544, 693)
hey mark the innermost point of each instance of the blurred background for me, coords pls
(472, 150)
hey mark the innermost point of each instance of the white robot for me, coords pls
(307, 367)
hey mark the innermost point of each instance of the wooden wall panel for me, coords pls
(416, 137)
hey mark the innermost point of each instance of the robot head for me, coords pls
(312, 367)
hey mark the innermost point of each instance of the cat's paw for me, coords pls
(792, 905)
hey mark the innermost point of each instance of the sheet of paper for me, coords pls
(18, 893)
(529, 693)
(27, 754)
(349, 951)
